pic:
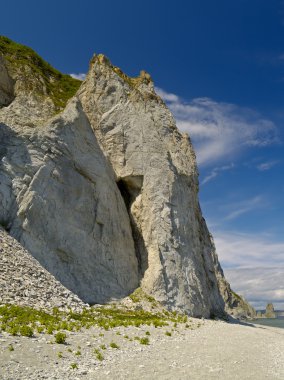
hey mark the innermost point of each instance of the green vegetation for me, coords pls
(144, 340)
(60, 354)
(78, 353)
(139, 295)
(10, 348)
(98, 354)
(26, 331)
(59, 87)
(114, 345)
(74, 365)
(147, 333)
(168, 333)
(24, 320)
(103, 346)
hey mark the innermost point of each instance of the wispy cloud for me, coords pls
(167, 96)
(254, 266)
(219, 130)
(259, 285)
(80, 76)
(216, 171)
(266, 165)
(242, 207)
(247, 250)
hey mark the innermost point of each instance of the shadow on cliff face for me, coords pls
(6, 85)
(12, 148)
(130, 189)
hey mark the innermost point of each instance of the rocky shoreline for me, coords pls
(207, 349)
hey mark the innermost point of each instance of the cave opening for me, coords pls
(130, 188)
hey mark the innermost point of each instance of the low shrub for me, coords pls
(60, 338)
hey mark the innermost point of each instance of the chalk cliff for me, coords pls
(103, 190)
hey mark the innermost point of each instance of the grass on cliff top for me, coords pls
(60, 87)
(13, 318)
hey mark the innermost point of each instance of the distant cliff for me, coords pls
(98, 184)
(269, 312)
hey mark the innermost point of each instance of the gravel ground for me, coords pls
(206, 350)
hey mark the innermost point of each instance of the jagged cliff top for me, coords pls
(133, 82)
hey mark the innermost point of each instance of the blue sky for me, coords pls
(220, 67)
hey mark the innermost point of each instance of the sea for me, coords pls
(273, 322)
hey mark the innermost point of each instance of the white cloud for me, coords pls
(259, 285)
(253, 266)
(242, 207)
(219, 130)
(266, 165)
(246, 250)
(80, 76)
(216, 171)
(168, 97)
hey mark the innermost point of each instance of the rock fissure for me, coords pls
(130, 189)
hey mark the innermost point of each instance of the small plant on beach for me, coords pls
(40, 329)
(74, 365)
(114, 345)
(168, 333)
(60, 338)
(126, 337)
(60, 354)
(69, 350)
(103, 346)
(26, 331)
(10, 347)
(78, 353)
(144, 340)
(147, 333)
(13, 330)
(50, 330)
(98, 354)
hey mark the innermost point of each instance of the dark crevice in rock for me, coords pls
(130, 188)
(6, 225)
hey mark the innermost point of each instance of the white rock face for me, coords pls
(156, 172)
(58, 197)
(105, 194)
